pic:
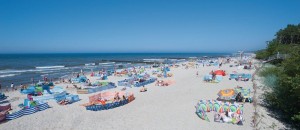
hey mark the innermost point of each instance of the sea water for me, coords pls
(21, 68)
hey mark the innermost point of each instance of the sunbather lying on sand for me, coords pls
(143, 89)
(227, 117)
(63, 102)
(102, 101)
(117, 97)
(159, 83)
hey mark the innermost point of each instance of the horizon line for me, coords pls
(120, 52)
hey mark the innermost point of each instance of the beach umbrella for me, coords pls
(220, 72)
(227, 94)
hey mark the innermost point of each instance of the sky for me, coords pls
(101, 26)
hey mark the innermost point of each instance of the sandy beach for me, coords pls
(149, 65)
(171, 107)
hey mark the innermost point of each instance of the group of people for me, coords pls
(228, 117)
(62, 80)
(161, 83)
(13, 88)
(117, 98)
(63, 102)
(143, 89)
(240, 78)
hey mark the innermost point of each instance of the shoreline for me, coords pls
(22, 72)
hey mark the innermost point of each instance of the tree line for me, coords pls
(284, 96)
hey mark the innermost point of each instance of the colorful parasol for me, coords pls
(227, 94)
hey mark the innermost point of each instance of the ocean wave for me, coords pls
(64, 76)
(12, 71)
(17, 71)
(8, 75)
(49, 67)
(107, 63)
(90, 64)
(43, 75)
(154, 60)
(46, 72)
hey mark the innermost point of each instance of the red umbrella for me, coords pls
(220, 72)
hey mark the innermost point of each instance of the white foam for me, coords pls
(8, 75)
(49, 67)
(154, 60)
(44, 75)
(45, 72)
(107, 63)
(17, 71)
(90, 64)
(65, 76)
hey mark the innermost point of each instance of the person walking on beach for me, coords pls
(22, 87)
(213, 74)
(32, 80)
(250, 64)
(197, 74)
(220, 65)
(12, 86)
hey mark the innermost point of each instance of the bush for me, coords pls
(267, 71)
(284, 78)
(285, 92)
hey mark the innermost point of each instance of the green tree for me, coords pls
(285, 94)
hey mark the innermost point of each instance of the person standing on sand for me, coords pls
(250, 64)
(213, 75)
(32, 80)
(12, 86)
(197, 74)
(22, 87)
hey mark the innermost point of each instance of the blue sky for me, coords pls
(37, 26)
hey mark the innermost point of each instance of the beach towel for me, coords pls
(72, 98)
(27, 111)
(5, 107)
(96, 105)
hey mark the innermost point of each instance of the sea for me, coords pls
(22, 68)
